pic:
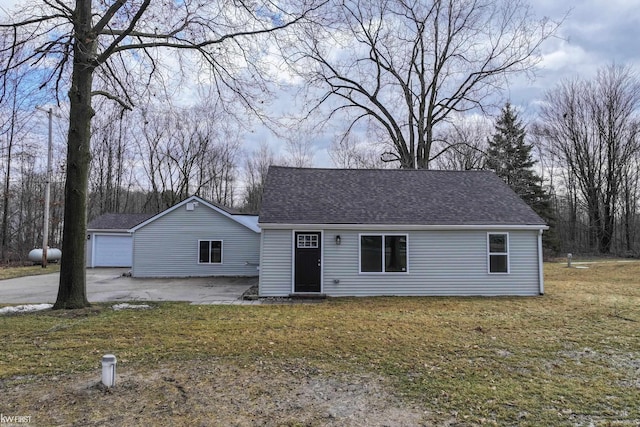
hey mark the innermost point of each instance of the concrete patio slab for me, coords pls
(109, 284)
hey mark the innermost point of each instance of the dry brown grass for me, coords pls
(571, 357)
(32, 270)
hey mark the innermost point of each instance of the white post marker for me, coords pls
(109, 370)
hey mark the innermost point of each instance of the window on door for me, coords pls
(210, 251)
(307, 241)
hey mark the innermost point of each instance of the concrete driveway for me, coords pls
(108, 284)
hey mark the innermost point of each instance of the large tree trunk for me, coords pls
(608, 230)
(72, 289)
(595, 219)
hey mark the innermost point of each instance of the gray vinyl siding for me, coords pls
(444, 262)
(168, 246)
(275, 263)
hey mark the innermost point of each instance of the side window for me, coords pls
(395, 254)
(371, 254)
(210, 251)
(383, 253)
(498, 248)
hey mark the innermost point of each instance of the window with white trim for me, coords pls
(498, 252)
(307, 240)
(383, 253)
(210, 251)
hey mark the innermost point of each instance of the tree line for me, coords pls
(142, 162)
(587, 150)
(575, 163)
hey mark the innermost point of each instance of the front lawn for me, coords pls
(570, 357)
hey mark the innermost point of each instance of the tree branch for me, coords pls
(98, 28)
(107, 95)
(108, 16)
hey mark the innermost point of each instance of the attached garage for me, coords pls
(197, 238)
(113, 250)
(109, 243)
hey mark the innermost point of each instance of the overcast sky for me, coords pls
(595, 33)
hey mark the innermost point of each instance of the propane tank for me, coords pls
(53, 255)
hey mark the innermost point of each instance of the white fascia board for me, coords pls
(108, 230)
(403, 227)
(249, 221)
(255, 228)
(164, 212)
(246, 223)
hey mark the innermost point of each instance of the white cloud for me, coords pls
(594, 34)
(565, 56)
(6, 5)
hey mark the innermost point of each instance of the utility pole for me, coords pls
(47, 188)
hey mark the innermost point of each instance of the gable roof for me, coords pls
(117, 221)
(248, 221)
(391, 196)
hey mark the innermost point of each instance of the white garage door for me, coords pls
(113, 251)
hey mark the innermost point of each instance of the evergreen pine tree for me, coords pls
(509, 156)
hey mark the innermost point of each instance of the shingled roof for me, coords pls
(117, 221)
(385, 196)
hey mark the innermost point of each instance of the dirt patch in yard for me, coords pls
(213, 393)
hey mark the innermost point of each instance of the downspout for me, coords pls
(133, 252)
(93, 250)
(540, 263)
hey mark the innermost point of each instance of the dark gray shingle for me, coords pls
(117, 221)
(382, 196)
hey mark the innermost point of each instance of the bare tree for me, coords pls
(348, 152)
(112, 164)
(71, 43)
(593, 127)
(629, 206)
(18, 100)
(299, 150)
(255, 173)
(185, 151)
(219, 134)
(405, 67)
(219, 172)
(10, 131)
(463, 144)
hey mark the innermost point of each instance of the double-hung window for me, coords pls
(210, 251)
(498, 252)
(383, 253)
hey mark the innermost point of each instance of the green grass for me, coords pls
(32, 270)
(572, 353)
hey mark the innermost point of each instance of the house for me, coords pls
(196, 238)
(396, 232)
(109, 242)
